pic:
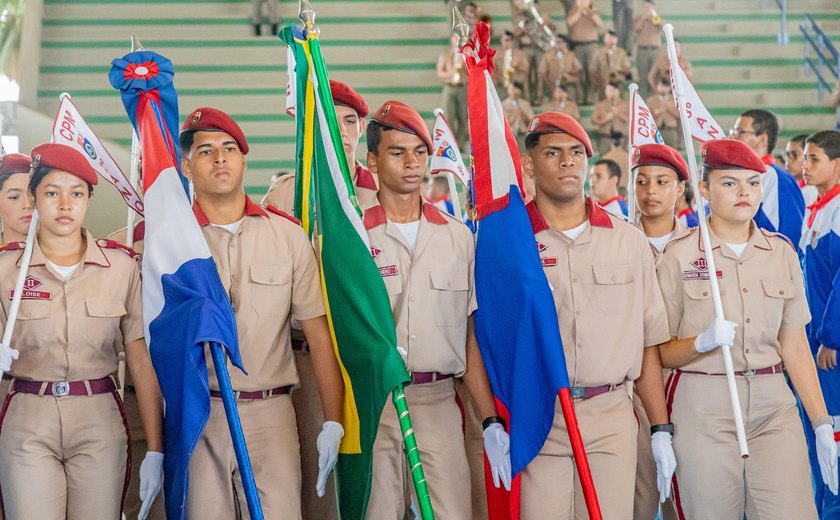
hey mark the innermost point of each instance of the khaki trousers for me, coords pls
(551, 488)
(440, 440)
(215, 485)
(474, 443)
(455, 110)
(646, 500)
(712, 481)
(138, 453)
(585, 52)
(310, 420)
(63, 457)
(645, 60)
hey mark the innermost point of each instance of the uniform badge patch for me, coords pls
(374, 251)
(702, 272)
(29, 290)
(195, 119)
(541, 247)
(548, 262)
(534, 123)
(388, 270)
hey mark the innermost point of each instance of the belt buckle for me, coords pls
(61, 389)
(750, 372)
(577, 392)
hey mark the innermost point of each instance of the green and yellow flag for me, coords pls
(358, 309)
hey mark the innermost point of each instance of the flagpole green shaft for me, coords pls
(412, 453)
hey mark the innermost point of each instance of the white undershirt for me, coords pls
(575, 232)
(66, 271)
(409, 232)
(738, 249)
(660, 242)
(232, 227)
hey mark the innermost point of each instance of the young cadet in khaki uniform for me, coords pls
(584, 23)
(268, 266)
(665, 113)
(648, 29)
(610, 64)
(426, 260)
(560, 67)
(763, 298)
(601, 271)
(510, 65)
(609, 116)
(522, 26)
(63, 434)
(350, 109)
(518, 112)
(451, 69)
(560, 102)
(661, 174)
(662, 68)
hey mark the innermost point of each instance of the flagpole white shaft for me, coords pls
(631, 180)
(726, 350)
(453, 197)
(134, 174)
(21, 278)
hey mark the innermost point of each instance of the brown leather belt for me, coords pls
(64, 388)
(775, 369)
(649, 47)
(422, 378)
(259, 394)
(587, 42)
(588, 392)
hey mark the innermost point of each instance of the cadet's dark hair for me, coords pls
(828, 140)
(373, 135)
(688, 194)
(799, 138)
(6, 176)
(612, 167)
(41, 172)
(531, 141)
(186, 140)
(764, 122)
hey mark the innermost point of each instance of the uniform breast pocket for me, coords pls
(103, 318)
(271, 289)
(34, 324)
(450, 290)
(613, 288)
(699, 309)
(776, 292)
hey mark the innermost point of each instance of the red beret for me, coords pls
(399, 116)
(212, 120)
(344, 94)
(65, 158)
(660, 155)
(15, 163)
(559, 123)
(729, 154)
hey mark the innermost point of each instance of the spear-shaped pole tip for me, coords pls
(306, 13)
(460, 27)
(136, 45)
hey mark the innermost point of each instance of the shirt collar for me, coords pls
(598, 216)
(757, 240)
(93, 253)
(251, 210)
(364, 178)
(768, 159)
(375, 216)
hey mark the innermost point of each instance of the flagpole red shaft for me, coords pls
(590, 496)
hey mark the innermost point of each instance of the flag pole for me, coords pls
(252, 496)
(631, 178)
(726, 350)
(412, 453)
(134, 172)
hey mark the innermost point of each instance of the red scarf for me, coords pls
(617, 197)
(686, 211)
(820, 203)
(768, 159)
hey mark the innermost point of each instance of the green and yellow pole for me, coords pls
(412, 453)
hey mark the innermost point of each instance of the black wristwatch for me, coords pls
(662, 428)
(493, 419)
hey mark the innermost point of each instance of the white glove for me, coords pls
(7, 355)
(497, 448)
(151, 480)
(403, 354)
(666, 463)
(328, 442)
(720, 332)
(827, 455)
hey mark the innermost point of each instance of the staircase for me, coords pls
(388, 49)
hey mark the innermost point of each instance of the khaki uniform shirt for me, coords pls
(662, 70)
(664, 111)
(518, 64)
(281, 194)
(679, 231)
(567, 107)
(606, 123)
(431, 290)
(762, 292)
(454, 66)
(647, 34)
(120, 236)
(609, 65)
(518, 114)
(605, 291)
(71, 330)
(269, 270)
(584, 30)
(560, 68)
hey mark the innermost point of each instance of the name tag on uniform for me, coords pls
(388, 270)
(548, 262)
(29, 293)
(699, 275)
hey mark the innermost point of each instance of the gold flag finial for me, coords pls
(136, 45)
(460, 27)
(306, 13)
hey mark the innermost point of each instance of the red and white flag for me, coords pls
(71, 129)
(703, 125)
(643, 129)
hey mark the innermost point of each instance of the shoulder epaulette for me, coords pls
(770, 234)
(113, 244)
(283, 214)
(12, 246)
(691, 232)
